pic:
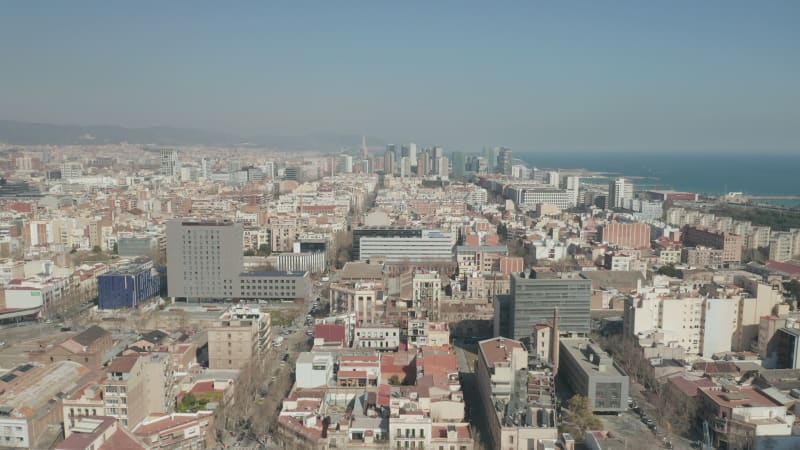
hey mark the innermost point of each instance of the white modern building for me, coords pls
(549, 249)
(378, 337)
(699, 325)
(170, 164)
(620, 193)
(314, 369)
(530, 197)
(433, 245)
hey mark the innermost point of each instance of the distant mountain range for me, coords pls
(27, 133)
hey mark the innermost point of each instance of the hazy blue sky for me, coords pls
(572, 75)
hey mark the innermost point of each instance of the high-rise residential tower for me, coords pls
(620, 193)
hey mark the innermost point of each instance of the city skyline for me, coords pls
(713, 77)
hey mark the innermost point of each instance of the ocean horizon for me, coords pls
(711, 173)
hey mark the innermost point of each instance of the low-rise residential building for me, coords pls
(179, 430)
(100, 433)
(375, 336)
(88, 347)
(85, 401)
(738, 414)
(423, 332)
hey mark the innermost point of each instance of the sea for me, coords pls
(715, 173)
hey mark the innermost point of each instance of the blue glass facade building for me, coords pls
(129, 285)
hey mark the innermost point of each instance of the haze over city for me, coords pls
(634, 76)
(400, 225)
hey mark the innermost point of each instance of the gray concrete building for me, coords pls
(205, 261)
(273, 285)
(533, 301)
(592, 373)
(153, 246)
(204, 258)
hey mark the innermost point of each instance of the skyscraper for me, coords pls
(364, 149)
(504, 161)
(204, 168)
(412, 153)
(491, 154)
(170, 165)
(389, 159)
(443, 167)
(347, 164)
(405, 167)
(459, 164)
(573, 189)
(620, 193)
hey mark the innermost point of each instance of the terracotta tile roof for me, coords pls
(744, 396)
(689, 386)
(297, 426)
(792, 269)
(82, 441)
(120, 440)
(164, 423)
(203, 387)
(90, 335)
(122, 364)
(715, 367)
(352, 374)
(359, 359)
(330, 332)
(440, 431)
(498, 349)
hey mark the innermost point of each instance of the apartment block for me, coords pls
(125, 390)
(377, 337)
(701, 256)
(241, 334)
(178, 431)
(518, 402)
(427, 293)
(730, 244)
(100, 433)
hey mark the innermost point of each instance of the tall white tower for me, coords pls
(364, 149)
(620, 193)
(412, 153)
